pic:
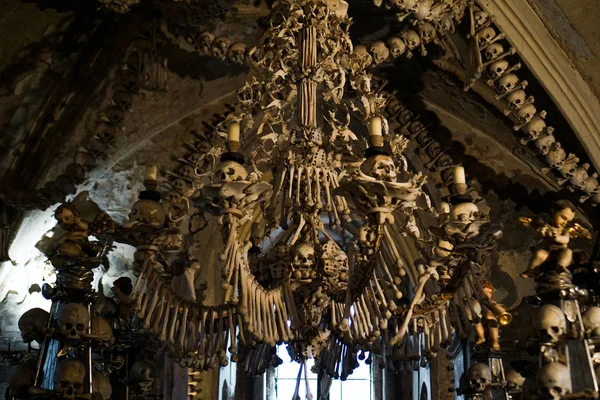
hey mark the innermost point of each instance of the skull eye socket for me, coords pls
(555, 329)
(69, 326)
(80, 327)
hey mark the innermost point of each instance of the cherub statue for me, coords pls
(557, 235)
(490, 313)
(74, 247)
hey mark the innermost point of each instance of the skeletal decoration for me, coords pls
(380, 52)
(33, 325)
(554, 380)
(550, 323)
(328, 263)
(73, 320)
(101, 331)
(591, 321)
(143, 375)
(101, 386)
(69, 378)
(514, 380)
(480, 377)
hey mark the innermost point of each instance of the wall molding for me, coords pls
(547, 60)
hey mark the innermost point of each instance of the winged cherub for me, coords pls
(557, 235)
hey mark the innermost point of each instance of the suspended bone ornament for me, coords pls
(326, 273)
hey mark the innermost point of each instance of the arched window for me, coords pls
(356, 386)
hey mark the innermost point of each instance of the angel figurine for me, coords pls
(557, 235)
(494, 314)
(74, 246)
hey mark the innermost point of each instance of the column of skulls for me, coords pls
(68, 336)
(565, 335)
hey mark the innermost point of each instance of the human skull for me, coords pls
(73, 320)
(481, 18)
(123, 99)
(380, 52)
(397, 46)
(464, 212)
(493, 51)
(220, 46)
(106, 132)
(486, 35)
(180, 185)
(68, 379)
(579, 177)
(394, 106)
(591, 321)
(230, 171)
(407, 5)
(514, 379)
(423, 10)
(303, 258)
(544, 143)
(480, 377)
(148, 212)
(535, 128)
(527, 112)
(570, 166)
(550, 323)
(405, 116)
(101, 385)
(115, 115)
(516, 99)
(380, 167)
(554, 380)
(445, 25)
(508, 82)
(237, 52)
(206, 39)
(143, 374)
(101, 330)
(427, 32)
(556, 156)
(33, 324)
(363, 56)
(498, 68)
(591, 185)
(411, 38)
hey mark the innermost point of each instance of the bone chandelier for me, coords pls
(316, 235)
(320, 242)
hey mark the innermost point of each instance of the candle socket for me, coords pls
(150, 184)
(375, 141)
(460, 188)
(233, 146)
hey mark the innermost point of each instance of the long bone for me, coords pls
(183, 327)
(211, 335)
(371, 316)
(384, 303)
(309, 196)
(190, 337)
(319, 203)
(296, 396)
(423, 279)
(173, 323)
(201, 331)
(236, 279)
(164, 303)
(296, 321)
(232, 345)
(268, 336)
(281, 318)
(152, 305)
(298, 185)
(309, 395)
(414, 356)
(166, 319)
(221, 332)
(144, 296)
(146, 268)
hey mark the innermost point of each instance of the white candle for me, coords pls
(233, 134)
(375, 126)
(151, 173)
(459, 175)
